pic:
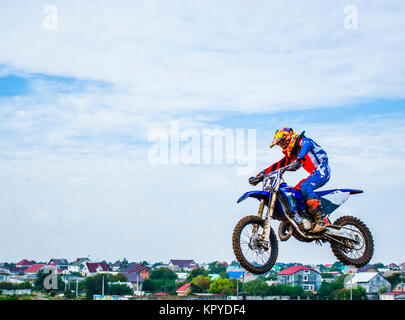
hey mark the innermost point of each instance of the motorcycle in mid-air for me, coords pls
(255, 243)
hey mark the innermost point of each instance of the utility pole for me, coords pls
(237, 288)
(102, 291)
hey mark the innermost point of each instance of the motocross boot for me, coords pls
(314, 206)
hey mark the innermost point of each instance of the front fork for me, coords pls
(263, 242)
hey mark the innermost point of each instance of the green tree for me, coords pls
(196, 272)
(378, 265)
(94, 285)
(256, 288)
(201, 282)
(327, 288)
(221, 285)
(213, 267)
(394, 279)
(119, 289)
(344, 294)
(117, 278)
(163, 274)
(161, 280)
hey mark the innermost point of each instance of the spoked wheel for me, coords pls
(357, 253)
(248, 250)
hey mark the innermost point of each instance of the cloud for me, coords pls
(252, 57)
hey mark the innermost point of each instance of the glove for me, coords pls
(255, 180)
(294, 165)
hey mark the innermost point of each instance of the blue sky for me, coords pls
(77, 105)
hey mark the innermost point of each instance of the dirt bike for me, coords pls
(255, 243)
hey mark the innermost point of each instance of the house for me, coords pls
(393, 266)
(307, 278)
(116, 266)
(139, 268)
(181, 276)
(91, 269)
(235, 267)
(78, 265)
(370, 281)
(367, 269)
(59, 263)
(161, 294)
(135, 279)
(34, 268)
(5, 275)
(24, 264)
(179, 265)
(31, 272)
(402, 268)
(184, 290)
(392, 296)
(399, 288)
(236, 274)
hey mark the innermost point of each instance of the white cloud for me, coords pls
(244, 56)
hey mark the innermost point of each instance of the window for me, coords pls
(305, 278)
(308, 287)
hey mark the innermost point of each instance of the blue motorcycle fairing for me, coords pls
(259, 195)
(295, 199)
(263, 195)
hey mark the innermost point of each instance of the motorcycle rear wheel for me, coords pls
(258, 261)
(361, 252)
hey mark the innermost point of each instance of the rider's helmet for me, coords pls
(285, 138)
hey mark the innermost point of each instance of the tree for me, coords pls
(163, 274)
(327, 288)
(94, 285)
(214, 267)
(256, 288)
(196, 272)
(120, 289)
(221, 285)
(344, 294)
(394, 279)
(161, 279)
(110, 283)
(202, 283)
(117, 278)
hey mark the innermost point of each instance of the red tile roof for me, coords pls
(93, 266)
(161, 294)
(24, 262)
(294, 269)
(183, 287)
(35, 268)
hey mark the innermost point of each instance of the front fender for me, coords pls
(259, 195)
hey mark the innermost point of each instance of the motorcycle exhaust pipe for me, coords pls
(285, 230)
(297, 229)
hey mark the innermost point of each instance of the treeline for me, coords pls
(165, 280)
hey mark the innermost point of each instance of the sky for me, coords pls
(85, 89)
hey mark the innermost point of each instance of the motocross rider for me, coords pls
(302, 151)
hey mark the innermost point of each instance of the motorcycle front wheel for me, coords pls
(247, 249)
